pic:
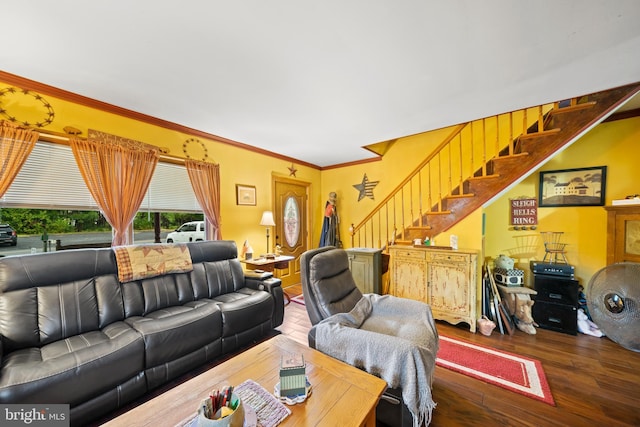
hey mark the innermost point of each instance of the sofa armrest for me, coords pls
(252, 274)
(272, 285)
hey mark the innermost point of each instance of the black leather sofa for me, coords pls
(72, 333)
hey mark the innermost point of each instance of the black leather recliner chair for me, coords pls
(328, 288)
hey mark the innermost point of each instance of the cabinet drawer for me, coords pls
(450, 257)
(560, 318)
(556, 290)
(409, 253)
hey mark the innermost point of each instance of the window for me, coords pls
(50, 179)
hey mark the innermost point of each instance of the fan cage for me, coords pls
(623, 280)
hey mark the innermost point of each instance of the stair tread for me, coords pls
(540, 134)
(492, 176)
(511, 156)
(571, 108)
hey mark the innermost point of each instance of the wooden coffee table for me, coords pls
(341, 394)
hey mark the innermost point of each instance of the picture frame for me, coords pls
(573, 187)
(245, 195)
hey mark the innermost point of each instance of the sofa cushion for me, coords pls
(52, 296)
(28, 271)
(172, 332)
(243, 310)
(216, 268)
(40, 315)
(74, 369)
(146, 296)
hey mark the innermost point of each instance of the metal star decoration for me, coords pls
(292, 170)
(365, 188)
(13, 92)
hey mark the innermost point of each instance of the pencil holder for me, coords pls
(234, 419)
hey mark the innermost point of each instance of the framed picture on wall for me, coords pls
(245, 195)
(573, 187)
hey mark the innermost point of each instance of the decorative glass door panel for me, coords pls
(291, 221)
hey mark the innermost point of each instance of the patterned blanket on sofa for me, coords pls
(138, 262)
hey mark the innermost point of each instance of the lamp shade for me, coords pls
(267, 219)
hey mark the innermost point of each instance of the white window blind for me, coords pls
(50, 179)
(170, 191)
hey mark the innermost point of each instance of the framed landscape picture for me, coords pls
(573, 187)
(245, 195)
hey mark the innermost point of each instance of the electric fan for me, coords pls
(614, 303)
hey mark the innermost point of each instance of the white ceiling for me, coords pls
(317, 80)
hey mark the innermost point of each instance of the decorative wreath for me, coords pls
(49, 115)
(185, 148)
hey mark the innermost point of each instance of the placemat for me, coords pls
(269, 409)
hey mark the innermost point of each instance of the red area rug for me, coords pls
(510, 371)
(298, 299)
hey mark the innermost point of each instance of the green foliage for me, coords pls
(36, 221)
(87, 221)
(173, 220)
(143, 221)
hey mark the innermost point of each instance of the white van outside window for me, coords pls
(187, 232)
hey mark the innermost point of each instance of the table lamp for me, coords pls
(267, 221)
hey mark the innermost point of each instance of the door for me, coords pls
(291, 212)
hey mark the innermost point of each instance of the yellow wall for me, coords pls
(237, 165)
(614, 145)
(400, 159)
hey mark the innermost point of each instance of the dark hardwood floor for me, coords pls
(594, 381)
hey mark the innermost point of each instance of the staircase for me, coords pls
(476, 162)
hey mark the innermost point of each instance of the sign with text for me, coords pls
(524, 212)
(33, 415)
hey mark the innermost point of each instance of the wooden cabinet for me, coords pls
(366, 268)
(444, 279)
(623, 233)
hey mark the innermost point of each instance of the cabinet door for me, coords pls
(410, 278)
(449, 286)
(362, 272)
(627, 238)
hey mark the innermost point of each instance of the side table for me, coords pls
(267, 264)
(264, 264)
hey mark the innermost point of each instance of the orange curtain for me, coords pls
(205, 180)
(15, 146)
(117, 172)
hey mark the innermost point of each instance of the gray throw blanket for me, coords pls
(392, 338)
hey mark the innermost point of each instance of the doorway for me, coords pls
(291, 210)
